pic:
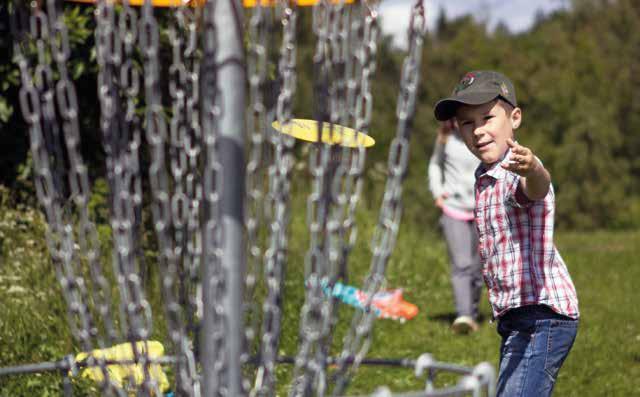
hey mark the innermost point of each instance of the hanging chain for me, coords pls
(277, 207)
(336, 183)
(360, 105)
(193, 180)
(257, 126)
(358, 339)
(183, 247)
(36, 101)
(38, 107)
(212, 238)
(118, 84)
(307, 368)
(318, 314)
(347, 184)
(78, 177)
(186, 203)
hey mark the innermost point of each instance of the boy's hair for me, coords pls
(507, 106)
(476, 88)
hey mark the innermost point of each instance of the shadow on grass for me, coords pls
(448, 317)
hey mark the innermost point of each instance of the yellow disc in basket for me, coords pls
(307, 130)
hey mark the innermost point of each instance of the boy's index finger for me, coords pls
(515, 147)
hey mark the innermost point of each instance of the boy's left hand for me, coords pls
(521, 160)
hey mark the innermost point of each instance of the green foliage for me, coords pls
(576, 72)
(6, 110)
(576, 77)
(99, 202)
(33, 316)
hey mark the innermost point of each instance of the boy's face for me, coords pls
(486, 128)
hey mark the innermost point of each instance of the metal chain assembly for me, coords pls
(213, 283)
(277, 206)
(39, 96)
(345, 62)
(118, 84)
(322, 267)
(358, 339)
(184, 250)
(258, 119)
(183, 134)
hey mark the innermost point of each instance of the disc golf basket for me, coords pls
(206, 141)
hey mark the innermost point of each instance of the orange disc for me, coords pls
(195, 3)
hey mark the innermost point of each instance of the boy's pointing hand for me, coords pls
(521, 160)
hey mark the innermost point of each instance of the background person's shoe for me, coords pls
(464, 325)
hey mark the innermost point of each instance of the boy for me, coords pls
(530, 290)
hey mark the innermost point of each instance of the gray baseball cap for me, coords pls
(476, 88)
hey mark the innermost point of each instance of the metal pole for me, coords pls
(34, 368)
(230, 125)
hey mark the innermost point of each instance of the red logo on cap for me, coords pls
(466, 81)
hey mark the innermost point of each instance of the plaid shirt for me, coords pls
(521, 265)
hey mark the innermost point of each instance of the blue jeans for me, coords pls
(535, 343)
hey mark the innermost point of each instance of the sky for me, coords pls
(518, 15)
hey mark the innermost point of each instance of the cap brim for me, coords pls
(446, 108)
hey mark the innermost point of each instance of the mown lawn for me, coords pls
(605, 360)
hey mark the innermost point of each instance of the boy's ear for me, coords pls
(516, 118)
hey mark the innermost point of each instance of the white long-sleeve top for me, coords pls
(451, 170)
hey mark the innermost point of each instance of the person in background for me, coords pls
(451, 180)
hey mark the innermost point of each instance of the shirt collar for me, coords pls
(494, 170)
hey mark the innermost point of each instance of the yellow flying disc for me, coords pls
(195, 3)
(307, 130)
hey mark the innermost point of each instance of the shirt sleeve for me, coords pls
(435, 171)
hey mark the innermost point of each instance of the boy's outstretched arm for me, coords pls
(535, 179)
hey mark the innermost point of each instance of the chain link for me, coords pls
(257, 126)
(348, 184)
(118, 86)
(37, 97)
(78, 178)
(358, 340)
(185, 206)
(307, 368)
(325, 262)
(277, 206)
(184, 249)
(215, 285)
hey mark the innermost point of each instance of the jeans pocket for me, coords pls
(562, 334)
(515, 345)
(518, 341)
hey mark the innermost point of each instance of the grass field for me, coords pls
(604, 362)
